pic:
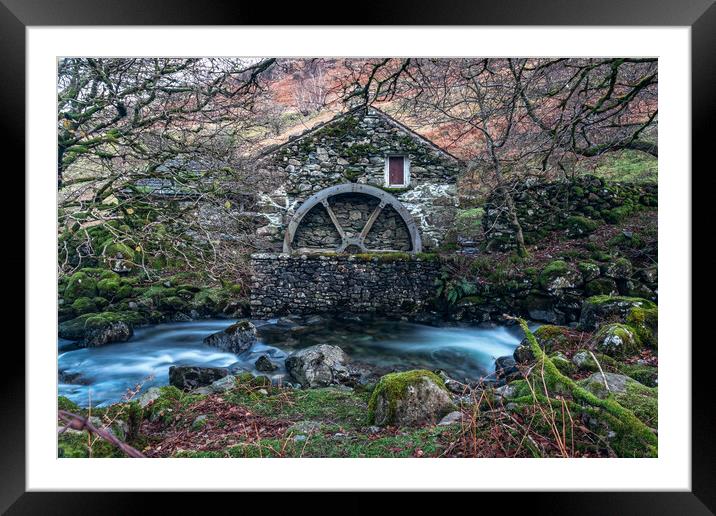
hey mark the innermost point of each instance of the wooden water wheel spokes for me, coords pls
(348, 242)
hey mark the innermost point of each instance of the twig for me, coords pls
(82, 423)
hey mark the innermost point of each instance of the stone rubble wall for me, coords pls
(318, 284)
(544, 206)
(353, 149)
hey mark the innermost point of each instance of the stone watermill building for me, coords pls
(350, 195)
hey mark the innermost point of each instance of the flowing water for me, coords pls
(103, 375)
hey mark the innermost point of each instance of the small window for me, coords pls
(396, 171)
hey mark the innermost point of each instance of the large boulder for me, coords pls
(98, 329)
(617, 340)
(318, 366)
(599, 309)
(557, 276)
(264, 364)
(105, 332)
(411, 398)
(191, 377)
(629, 393)
(237, 338)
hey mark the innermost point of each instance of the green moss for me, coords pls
(562, 363)
(589, 270)
(618, 340)
(395, 385)
(645, 321)
(108, 287)
(119, 250)
(618, 214)
(578, 226)
(383, 257)
(634, 438)
(165, 407)
(74, 445)
(600, 286)
(551, 271)
(642, 401)
(156, 292)
(74, 329)
(644, 374)
(80, 284)
(84, 305)
(599, 300)
(172, 304)
(64, 403)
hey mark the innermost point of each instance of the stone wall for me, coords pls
(353, 149)
(571, 205)
(317, 284)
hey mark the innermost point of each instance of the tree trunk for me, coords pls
(510, 203)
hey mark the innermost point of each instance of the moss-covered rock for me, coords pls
(558, 275)
(79, 285)
(618, 214)
(88, 325)
(645, 321)
(408, 399)
(629, 393)
(578, 226)
(601, 287)
(583, 360)
(551, 339)
(83, 305)
(621, 268)
(562, 363)
(617, 340)
(114, 288)
(644, 374)
(172, 304)
(599, 309)
(589, 270)
(629, 435)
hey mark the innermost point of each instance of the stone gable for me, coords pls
(354, 148)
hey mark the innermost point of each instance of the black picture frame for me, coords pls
(700, 15)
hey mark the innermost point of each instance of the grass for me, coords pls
(329, 405)
(421, 442)
(626, 166)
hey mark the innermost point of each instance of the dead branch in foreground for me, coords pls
(80, 423)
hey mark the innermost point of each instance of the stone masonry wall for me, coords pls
(317, 284)
(353, 149)
(567, 205)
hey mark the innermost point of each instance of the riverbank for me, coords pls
(564, 393)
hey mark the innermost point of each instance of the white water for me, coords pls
(107, 372)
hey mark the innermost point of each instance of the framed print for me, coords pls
(428, 250)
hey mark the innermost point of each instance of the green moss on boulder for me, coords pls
(599, 309)
(600, 287)
(645, 321)
(83, 305)
(578, 226)
(617, 340)
(80, 284)
(409, 398)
